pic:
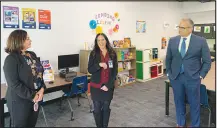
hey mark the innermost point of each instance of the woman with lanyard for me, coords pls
(102, 66)
(24, 77)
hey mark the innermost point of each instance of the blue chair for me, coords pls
(204, 101)
(79, 86)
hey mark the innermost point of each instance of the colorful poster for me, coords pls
(207, 29)
(10, 17)
(44, 17)
(28, 18)
(140, 26)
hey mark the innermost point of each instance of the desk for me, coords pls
(209, 82)
(59, 84)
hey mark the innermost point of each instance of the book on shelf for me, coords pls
(125, 79)
(125, 43)
(48, 74)
(124, 55)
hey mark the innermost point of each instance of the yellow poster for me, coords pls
(29, 18)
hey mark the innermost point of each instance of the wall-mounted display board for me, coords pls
(205, 30)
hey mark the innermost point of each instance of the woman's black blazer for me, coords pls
(95, 70)
(19, 77)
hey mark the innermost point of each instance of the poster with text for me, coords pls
(28, 18)
(44, 17)
(140, 26)
(10, 17)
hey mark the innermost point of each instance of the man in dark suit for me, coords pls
(188, 61)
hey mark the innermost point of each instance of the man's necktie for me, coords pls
(183, 51)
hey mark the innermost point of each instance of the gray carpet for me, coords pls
(138, 105)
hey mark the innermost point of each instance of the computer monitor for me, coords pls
(68, 61)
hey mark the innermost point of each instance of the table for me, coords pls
(208, 81)
(59, 84)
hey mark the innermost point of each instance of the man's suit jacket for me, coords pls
(194, 67)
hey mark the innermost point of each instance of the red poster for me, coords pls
(44, 17)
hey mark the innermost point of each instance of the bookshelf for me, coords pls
(126, 58)
(126, 65)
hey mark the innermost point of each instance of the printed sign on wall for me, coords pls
(44, 17)
(10, 17)
(140, 26)
(28, 18)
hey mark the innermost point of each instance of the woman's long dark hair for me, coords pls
(96, 49)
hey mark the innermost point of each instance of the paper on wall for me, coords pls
(197, 28)
(206, 29)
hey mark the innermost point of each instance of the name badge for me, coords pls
(110, 64)
(35, 106)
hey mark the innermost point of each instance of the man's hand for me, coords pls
(104, 88)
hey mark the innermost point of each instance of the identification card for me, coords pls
(110, 64)
(35, 106)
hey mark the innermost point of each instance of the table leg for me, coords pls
(212, 103)
(167, 99)
(2, 120)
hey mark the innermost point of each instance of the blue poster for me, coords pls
(10, 17)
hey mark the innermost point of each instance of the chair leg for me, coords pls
(209, 117)
(44, 116)
(61, 100)
(72, 114)
(89, 103)
(78, 100)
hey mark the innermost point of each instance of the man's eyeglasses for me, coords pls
(183, 28)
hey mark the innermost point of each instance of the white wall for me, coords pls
(200, 12)
(202, 17)
(70, 25)
(192, 7)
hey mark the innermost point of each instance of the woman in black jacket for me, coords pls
(24, 77)
(103, 67)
